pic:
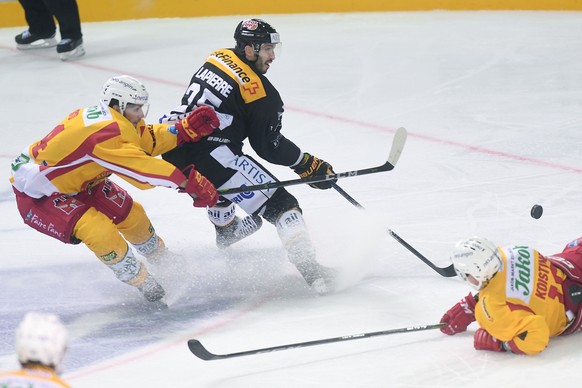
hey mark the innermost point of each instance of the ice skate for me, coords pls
(27, 41)
(155, 251)
(151, 289)
(70, 49)
(320, 278)
(238, 229)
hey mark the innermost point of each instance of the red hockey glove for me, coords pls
(484, 341)
(201, 189)
(459, 316)
(312, 166)
(199, 123)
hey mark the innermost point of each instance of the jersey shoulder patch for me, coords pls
(250, 84)
(95, 114)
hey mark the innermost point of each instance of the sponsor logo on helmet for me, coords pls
(491, 258)
(275, 37)
(140, 99)
(463, 254)
(250, 24)
(124, 83)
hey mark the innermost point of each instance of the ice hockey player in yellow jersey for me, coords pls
(62, 184)
(524, 298)
(41, 344)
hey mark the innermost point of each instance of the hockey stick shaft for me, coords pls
(347, 196)
(395, 151)
(446, 271)
(312, 179)
(201, 352)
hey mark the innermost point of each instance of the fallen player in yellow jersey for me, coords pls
(524, 298)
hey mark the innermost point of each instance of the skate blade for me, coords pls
(158, 305)
(79, 51)
(321, 287)
(43, 43)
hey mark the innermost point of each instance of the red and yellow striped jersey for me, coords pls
(90, 144)
(524, 301)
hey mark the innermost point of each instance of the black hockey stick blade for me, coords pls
(395, 151)
(201, 352)
(447, 272)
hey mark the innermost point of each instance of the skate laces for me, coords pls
(246, 226)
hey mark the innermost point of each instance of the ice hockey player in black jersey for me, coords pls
(233, 82)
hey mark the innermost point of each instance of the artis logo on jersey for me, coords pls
(257, 176)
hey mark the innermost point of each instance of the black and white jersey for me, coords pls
(246, 103)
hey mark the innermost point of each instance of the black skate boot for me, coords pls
(70, 49)
(151, 289)
(238, 229)
(27, 41)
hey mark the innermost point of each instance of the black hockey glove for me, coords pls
(312, 166)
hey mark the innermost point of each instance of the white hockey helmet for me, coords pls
(41, 338)
(477, 257)
(123, 90)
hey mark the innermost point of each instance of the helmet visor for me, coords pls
(271, 50)
(134, 109)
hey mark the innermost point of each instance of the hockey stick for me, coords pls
(201, 352)
(346, 196)
(395, 151)
(446, 271)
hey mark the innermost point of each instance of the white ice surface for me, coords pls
(493, 105)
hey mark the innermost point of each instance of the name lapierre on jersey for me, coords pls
(214, 81)
(255, 175)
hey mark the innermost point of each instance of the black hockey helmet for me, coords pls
(254, 32)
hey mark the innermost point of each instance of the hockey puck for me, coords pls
(536, 211)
